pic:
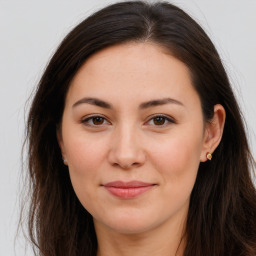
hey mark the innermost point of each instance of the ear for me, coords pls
(213, 132)
(61, 145)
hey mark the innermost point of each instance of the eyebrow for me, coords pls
(93, 101)
(144, 105)
(159, 102)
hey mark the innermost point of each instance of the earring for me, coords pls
(209, 156)
(65, 161)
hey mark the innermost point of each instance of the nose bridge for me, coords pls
(125, 141)
(126, 150)
(127, 134)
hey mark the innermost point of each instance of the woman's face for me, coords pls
(133, 137)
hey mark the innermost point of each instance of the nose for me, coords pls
(126, 149)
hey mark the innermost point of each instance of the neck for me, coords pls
(166, 240)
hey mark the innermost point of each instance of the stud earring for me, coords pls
(209, 156)
(65, 161)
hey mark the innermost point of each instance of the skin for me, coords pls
(129, 143)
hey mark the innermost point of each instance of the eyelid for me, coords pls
(168, 118)
(85, 120)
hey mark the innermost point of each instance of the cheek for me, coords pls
(177, 159)
(85, 158)
(177, 162)
(85, 154)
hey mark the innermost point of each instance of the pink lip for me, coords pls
(129, 189)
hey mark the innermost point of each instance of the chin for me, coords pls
(128, 223)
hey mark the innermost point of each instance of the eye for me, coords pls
(95, 121)
(160, 120)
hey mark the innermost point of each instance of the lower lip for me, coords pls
(127, 193)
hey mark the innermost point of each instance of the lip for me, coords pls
(129, 189)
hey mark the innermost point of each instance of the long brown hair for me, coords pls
(222, 214)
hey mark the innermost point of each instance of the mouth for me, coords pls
(127, 190)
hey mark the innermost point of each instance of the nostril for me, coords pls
(126, 166)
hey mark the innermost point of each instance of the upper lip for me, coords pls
(129, 184)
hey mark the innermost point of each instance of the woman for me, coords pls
(136, 142)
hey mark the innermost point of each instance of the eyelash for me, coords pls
(167, 120)
(90, 118)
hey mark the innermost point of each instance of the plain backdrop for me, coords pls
(30, 32)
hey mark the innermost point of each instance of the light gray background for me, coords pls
(30, 32)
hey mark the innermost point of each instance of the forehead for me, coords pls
(133, 71)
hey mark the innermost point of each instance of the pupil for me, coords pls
(97, 120)
(159, 120)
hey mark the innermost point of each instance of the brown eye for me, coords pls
(98, 120)
(159, 120)
(94, 121)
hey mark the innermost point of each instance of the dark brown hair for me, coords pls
(222, 213)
